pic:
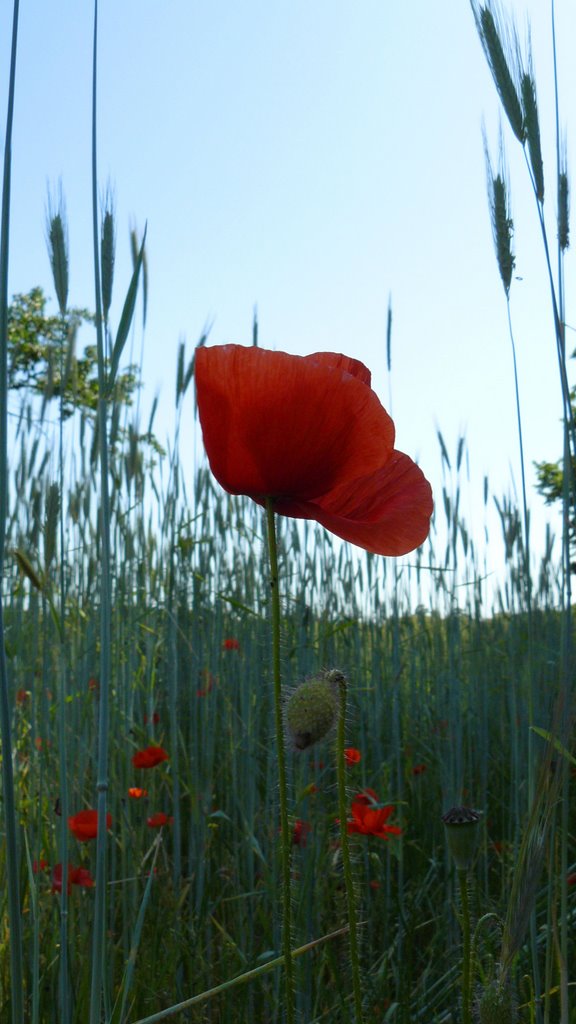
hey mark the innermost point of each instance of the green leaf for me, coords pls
(555, 743)
(126, 318)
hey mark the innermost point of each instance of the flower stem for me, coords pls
(10, 811)
(466, 958)
(346, 859)
(285, 838)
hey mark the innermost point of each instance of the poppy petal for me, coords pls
(387, 513)
(345, 363)
(277, 425)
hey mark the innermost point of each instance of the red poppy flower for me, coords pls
(159, 819)
(84, 825)
(369, 818)
(571, 879)
(210, 681)
(76, 876)
(56, 880)
(300, 832)
(136, 793)
(39, 865)
(22, 696)
(155, 718)
(352, 755)
(309, 433)
(82, 877)
(230, 644)
(149, 757)
(419, 769)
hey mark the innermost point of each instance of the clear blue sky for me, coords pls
(311, 157)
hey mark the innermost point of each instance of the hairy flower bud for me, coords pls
(311, 711)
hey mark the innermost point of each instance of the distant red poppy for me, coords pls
(210, 681)
(352, 755)
(309, 433)
(501, 846)
(57, 879)
(22, 696)
(82, 877)
(369, 818)
(136, 793)
(39, 865)
(571, 879)
(149, 757)
(419, 769)
(155, 718)
(159, 819)
(76, 876)
(230, 644)
(300, 832)
(93, 684)
(84, 825)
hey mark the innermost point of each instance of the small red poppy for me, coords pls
(210, 681)
(39, 865)
(82, 877)
(22, 696)
(93, 684)
(230, 644)
(571, 879)
(300, 832)
(352, 755)
(309, 433)
(136, 793)
(149, 757)
(84, 825)
(155, 718)
(369, 818)
(419, 769)
(76, 876)
(159, 819)
(57, 879)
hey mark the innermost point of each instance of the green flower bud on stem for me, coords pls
(311, 711)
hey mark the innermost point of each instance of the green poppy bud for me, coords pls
(311, 711)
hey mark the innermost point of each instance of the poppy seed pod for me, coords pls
(461, 824)
(312, 709)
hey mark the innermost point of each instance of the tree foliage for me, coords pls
(42, 356)
(551, 481)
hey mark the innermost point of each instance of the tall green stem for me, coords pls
(98, 934)
(346, 859)
(466, 956)
(285, 837)
(10, 818)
